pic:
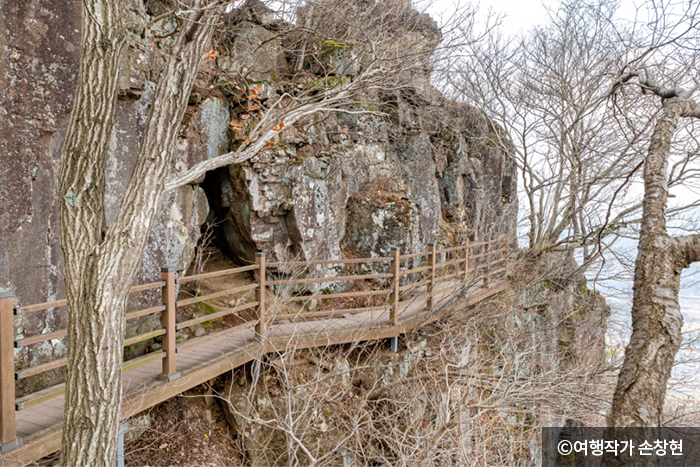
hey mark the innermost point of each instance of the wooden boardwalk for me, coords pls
(40, 425)
(201, 359)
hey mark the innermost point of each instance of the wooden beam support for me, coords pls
(8, 427)
(394, 298)
(466, 261)
(260, 277)
(487, 267)
(168, 321)
(432, 258)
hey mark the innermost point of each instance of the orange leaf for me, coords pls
(245, 117)
(211, 55)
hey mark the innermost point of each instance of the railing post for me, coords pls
(260, 277)
(431, 285)
(508, 258)
(466, 261)
(487, 258)
(8, 428)
(394, 298)
(168, 319)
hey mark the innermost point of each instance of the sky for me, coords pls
(521, 15)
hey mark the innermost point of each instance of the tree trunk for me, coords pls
(100, 264)
(656, 316)
(93, 387)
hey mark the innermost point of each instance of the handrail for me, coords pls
(453, 248)
(420, 269)
(330, 261)
(328, 279)
(491, 249)
(449, 263)
(21, 310)
(338, 295)
(208, 275)
(189, 301)
(415, 255)
(219, 314)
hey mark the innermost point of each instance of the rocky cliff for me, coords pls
(418, 169)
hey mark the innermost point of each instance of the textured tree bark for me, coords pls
(656, 316)
(93, 388)
(100, 262)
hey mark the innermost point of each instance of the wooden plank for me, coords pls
(450, 276)
(140, 361)
(149, 286)
(144, 312)
(26, 428)
(260, 292)
(41, 306)
(420, 269)
(395, 285)
(40, 338)
(416, 255)
(35, 370)
(211, 296)
(46, 443)
(328, 279)
(330, 261)
(414, 285)
(430, 304)
(208, 275)
(41, 418)
(317, 314)
(219, 314)
(143, 337)
(450, 263)
(198, 340)
(452, 248)
(39, 397)
(338, 295)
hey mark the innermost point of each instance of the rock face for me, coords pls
(335, 185)
(322, 194)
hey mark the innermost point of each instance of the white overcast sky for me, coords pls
(522, 14)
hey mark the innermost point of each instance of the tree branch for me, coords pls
(688, 248)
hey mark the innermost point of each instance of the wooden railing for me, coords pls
(473, 262)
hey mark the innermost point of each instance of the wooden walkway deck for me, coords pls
(40, 425)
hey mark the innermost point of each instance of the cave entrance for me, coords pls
(228, 222)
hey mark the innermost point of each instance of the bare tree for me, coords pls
(580, 150)
(546, 89)
(656, 316)
(100, 260)
(578, 153)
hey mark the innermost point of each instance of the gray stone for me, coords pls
(198, 330)
(136, 426)
(180, 338)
